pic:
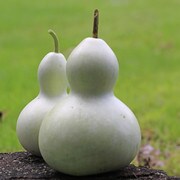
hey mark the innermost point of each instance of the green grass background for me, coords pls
(145, 36)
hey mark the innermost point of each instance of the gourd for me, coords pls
(53, 85)
(91, 131)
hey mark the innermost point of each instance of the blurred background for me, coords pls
(145, 38)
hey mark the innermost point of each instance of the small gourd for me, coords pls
(53, 85)
(91, 131)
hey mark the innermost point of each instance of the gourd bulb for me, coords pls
(92, 67)
(52, 75)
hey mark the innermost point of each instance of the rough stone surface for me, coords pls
(23, 165)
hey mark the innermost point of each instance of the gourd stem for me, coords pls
(95, 23)
(56, 42)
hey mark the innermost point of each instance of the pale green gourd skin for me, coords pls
(53, 85)
(90, 131)
(92, 68)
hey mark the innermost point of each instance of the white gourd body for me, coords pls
(90, 131)
(53, 84)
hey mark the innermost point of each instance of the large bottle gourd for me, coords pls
(53, 85)
(91, 131)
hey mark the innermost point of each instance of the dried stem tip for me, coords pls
(95, 24)
(56, 42)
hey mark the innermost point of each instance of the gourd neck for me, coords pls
(52, 94)
(53, 86)
(91, 95)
